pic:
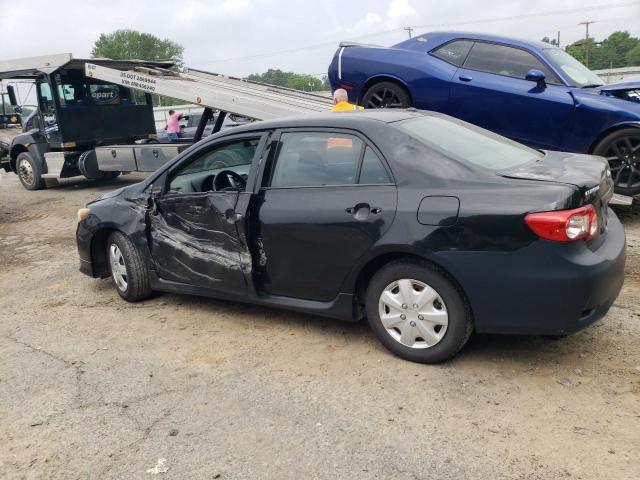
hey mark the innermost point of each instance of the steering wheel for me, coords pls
(228, 180)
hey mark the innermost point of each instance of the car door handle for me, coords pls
(465, 78)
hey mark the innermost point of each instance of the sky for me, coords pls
(240, 37)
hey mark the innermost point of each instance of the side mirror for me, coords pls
(535, 75)
(12, 95)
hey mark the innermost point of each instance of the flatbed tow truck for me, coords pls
(95, 116)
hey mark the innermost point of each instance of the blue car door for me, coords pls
(490, 90)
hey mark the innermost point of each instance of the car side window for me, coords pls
(198, 174)
(306, 159)
(372, 171)
(454, 52)
(507, 61)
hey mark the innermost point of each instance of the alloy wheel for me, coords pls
(624, 161)
(25, 170)
(118, 267)
(413, 313)
(384, 98)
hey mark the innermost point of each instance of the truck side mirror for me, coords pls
(12, 95)
(535, 75)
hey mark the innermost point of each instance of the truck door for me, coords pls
(48, 113)
(194, 227)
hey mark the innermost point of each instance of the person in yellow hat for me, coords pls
(341, 102)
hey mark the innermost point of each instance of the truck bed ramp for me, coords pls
(250, 99)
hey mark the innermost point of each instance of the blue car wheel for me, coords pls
(622, 149)
(386, 95)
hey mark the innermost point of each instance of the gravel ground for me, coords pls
(186, 387)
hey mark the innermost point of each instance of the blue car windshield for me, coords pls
(579, 75)
(468, 143)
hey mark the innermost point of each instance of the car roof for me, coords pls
(434, 39)
(355, 119)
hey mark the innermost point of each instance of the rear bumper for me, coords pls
(545, 288)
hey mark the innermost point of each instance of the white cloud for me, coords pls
(214, 31)
(400, 8)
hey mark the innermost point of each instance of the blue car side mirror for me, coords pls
(535, 75)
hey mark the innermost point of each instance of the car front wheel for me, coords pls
(622, 149)
(127, 267)
(417, 313)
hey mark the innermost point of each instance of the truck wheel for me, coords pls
(29, 172)
(386, 95)
(622, 150)
(108, 175)
(417, 313)
(127, 267)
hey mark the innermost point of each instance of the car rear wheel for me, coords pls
(386, 95)
(29, 171)
(128, 271)
(417, 313)
(622, 149)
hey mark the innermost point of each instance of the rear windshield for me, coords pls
(468, 143)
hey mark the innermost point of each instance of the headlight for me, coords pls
(83, 213)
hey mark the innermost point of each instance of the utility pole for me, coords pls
(558, 41)
(409, 30)
(586, 40)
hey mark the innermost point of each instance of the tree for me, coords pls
(293, 80)
(551, 41)
(612, 52)
(131, 44)
(633, 56)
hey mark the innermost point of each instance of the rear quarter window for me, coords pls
(468, 143)
(454, 52)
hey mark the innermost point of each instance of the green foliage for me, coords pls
(293, 80)
(633, 56)
(551, 41)
(133, 45)
(130, 44)
(612, 52)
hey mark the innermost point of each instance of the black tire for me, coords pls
(386, 95)
(138, 285)
(459, 327)
(29, 172)
(108, 175)
(622, 150)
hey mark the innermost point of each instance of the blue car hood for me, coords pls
(620, 86)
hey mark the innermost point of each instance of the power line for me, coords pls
(432, 25)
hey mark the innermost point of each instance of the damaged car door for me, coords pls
(193, 225)
(327, 198)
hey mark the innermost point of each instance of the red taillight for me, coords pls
(565, 225)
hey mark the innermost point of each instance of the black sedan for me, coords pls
(429, 227)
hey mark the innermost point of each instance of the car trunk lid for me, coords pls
(588, 173)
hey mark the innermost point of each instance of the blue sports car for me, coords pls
(532, 92)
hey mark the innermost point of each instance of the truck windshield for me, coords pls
(468, 143)
(580, 75)
(75, 90)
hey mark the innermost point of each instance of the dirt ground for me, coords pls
(186, 387)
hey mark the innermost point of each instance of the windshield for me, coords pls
(580, 75)
(469, 143)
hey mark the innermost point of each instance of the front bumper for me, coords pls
(546, 288)
(84, 237)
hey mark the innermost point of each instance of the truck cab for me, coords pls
(75, 114)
